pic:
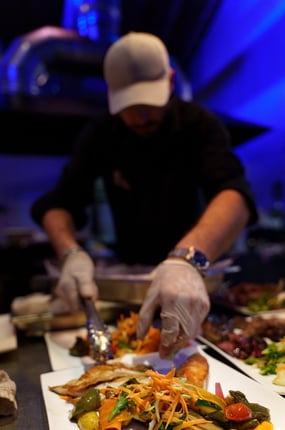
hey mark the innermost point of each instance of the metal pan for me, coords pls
(132, 289)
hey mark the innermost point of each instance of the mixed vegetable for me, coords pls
(266, 302)
(167, 402)
(124, 339)
(258, 341)
(271, 361)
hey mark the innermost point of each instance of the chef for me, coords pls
(178, 194)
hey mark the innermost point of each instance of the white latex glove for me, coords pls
(180, 291)
(76, 278)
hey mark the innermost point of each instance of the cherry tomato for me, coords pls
(237, 412)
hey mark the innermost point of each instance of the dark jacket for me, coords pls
(170, 178)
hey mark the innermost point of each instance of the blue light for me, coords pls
(93, 18)
(69, 19)
(97, 19)
(12, 77)
(239, 71)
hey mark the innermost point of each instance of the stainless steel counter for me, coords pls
(24, 365)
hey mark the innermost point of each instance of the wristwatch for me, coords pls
(193, 256)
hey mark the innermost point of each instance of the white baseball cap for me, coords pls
(137, 71)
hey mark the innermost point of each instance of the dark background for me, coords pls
(227, 51)
(228, 56)
(179, 23)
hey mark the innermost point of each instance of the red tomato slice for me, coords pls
(237, 412)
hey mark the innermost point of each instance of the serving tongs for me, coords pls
(98, 333)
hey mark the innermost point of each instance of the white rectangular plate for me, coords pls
(58, 410)
(8, 338)
(58, 345)
(249, 370)
(59, 342)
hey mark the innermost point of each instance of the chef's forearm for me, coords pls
(59, 227)
(219, 226)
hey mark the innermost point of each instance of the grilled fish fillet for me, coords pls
(195, 369)
(98, 374)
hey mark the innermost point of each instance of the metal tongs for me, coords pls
(98, 333)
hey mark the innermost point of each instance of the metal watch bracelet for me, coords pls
(192, 256)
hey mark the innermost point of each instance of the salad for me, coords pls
(166, 402)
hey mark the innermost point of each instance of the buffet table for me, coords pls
(26, 363)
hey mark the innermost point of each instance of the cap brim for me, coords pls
(153, 93)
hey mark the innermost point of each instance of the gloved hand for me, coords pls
(180, 291)
(76, 279)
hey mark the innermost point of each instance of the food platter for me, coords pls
(248, 369)
(58, 410)
(265, 380)
(58, 344)
(250, 298)
(244, 310)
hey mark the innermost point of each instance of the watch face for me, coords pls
(192, 255)
(199, 259)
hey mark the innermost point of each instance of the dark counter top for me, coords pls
(25, 365)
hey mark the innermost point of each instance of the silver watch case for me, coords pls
(193, 256)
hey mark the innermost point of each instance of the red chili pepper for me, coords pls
(238, 412)
(219, 390)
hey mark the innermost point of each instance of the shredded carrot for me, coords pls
(280, 367)
(172, 409)
(117, 422)
(192, 423)
(124, 337)
(162, 398)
